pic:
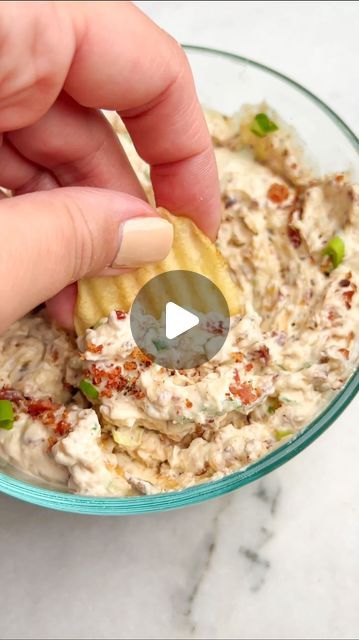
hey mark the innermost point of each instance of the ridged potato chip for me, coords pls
(191, 251)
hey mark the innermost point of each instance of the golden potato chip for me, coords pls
(191, 251)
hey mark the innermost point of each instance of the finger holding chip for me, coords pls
(191, 251)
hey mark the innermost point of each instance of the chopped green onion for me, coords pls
(6, 415)
(262, 125)
(335, 249)
(271, 410)
(160, 344)
(279, 434)
(88, 389)
(287, 400)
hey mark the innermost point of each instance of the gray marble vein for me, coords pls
(210, 545)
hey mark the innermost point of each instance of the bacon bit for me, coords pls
(130, 366)
(137, 354)
(237, 356)
(345, 353)
(347, 295)
(11, 394)
(236, 376)
(277, 193)
(62, 428)
(106, 393)
(110, 380)
(48, 418)
(249, 367)
(97, 374)
(37, 407)
(324, 360)
(332, 315)
(189, 404)
(138, 394)
(339, 177)
(344, 283)
(262, 354)
(294, 236)
(245, 392)
(217, 328)
(94, 348)
(115, 380)
(51, 442)
(120, 315)
(55, 355)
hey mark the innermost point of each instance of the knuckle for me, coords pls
(177, 59)
(32, 69)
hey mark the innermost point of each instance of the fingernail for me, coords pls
(143, 240)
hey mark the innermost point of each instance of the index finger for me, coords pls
(110, 55)
(149, 82)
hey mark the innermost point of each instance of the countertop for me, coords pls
(276, 559)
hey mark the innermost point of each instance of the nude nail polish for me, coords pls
(143, 240)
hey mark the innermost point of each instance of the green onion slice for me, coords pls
(262, 125)
(335, 249)
(271, 410)
(6, 415)
(160, 344)
(279, 434)
(88, 389)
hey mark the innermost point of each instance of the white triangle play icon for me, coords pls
(178, 320)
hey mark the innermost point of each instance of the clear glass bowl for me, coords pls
(224, 82)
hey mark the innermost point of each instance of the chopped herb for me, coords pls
(335, 249)
(160, 344)
(286, 400)
(262, 125)
(306, 365)
(88, 389)
(271, 410)
(6, 415)
(279, 434)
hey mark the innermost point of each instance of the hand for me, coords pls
(74, 188)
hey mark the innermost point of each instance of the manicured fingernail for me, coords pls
(143, 240)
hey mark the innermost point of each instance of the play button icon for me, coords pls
(180, 319)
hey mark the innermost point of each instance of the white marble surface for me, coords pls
(277, 559)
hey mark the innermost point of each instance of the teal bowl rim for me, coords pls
(73, 503)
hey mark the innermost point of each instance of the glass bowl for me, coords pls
(224, 82)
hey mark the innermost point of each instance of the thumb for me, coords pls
(52, 238)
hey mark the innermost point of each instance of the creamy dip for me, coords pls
(143, 428)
